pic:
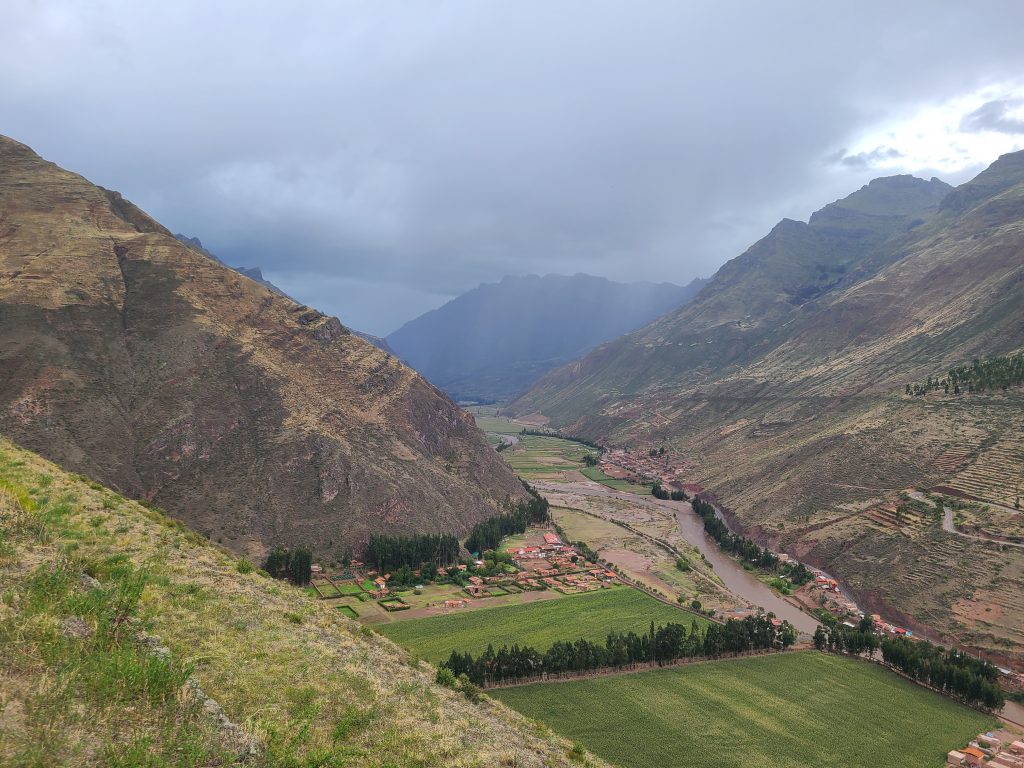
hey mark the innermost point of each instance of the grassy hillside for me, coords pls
(591, 616)
(107, 609)
(791, 711)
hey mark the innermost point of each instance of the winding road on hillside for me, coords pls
(738, 581)
(949, 527)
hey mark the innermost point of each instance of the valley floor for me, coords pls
(783, 711)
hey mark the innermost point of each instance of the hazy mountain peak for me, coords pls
(497, 339)
(888, 196)
(1005, 172)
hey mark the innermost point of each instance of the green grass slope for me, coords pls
(87, 576)
(791, 711)
(539, 624)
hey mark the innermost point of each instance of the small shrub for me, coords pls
(470, 689)
(293, 617)
(446, 678)
(244, 566)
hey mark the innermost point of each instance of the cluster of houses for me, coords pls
(824, 591)
(557, 565)
(993, 750)
(842, 606)
(883, 627)
(641, 466)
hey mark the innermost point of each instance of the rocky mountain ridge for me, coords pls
(140, 361)
(783, 385)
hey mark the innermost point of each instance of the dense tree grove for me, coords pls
(992, 374)
(294, 565)
(386, 553)
(840, 639)
(659, 645)
(489, 533)
(659, 491)
(744, 548)
(957, 674)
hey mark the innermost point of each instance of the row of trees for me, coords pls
(386, 553)
(745, 548)
(839, 639)
(953, 672)
(552, 433)
(659, 645)
(957, 674)
(992, 374)
(295, 565)
(489, 533)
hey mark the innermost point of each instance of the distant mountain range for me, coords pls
(143, 362)
(493, 342)
(783, 383)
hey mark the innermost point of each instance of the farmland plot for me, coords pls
(793, 710)
(591, 616)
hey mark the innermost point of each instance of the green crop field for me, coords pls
(538, 623)
(595, 474)
(794, 710)
(498, 425)
(539, 455)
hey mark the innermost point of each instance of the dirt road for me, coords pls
(949, 527)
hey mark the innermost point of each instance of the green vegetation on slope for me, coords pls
(789, 711)
(992, 374)
(539, 624)
(306, 686)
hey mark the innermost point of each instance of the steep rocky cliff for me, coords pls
(141, 361)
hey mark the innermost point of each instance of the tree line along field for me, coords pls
(539, 624)
(790, 710)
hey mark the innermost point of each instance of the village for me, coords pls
(536, 561)
(645, 467)
(995, 749)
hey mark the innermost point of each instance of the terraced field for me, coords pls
(786, 711)
(997, 475)
(963, 590)
(890, 516)
(539, 624)
(538, 456)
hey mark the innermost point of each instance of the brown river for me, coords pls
(740, 582)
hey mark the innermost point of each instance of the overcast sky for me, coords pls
(377, 158)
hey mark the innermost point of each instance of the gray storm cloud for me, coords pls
(377, 158)
(995, 116)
